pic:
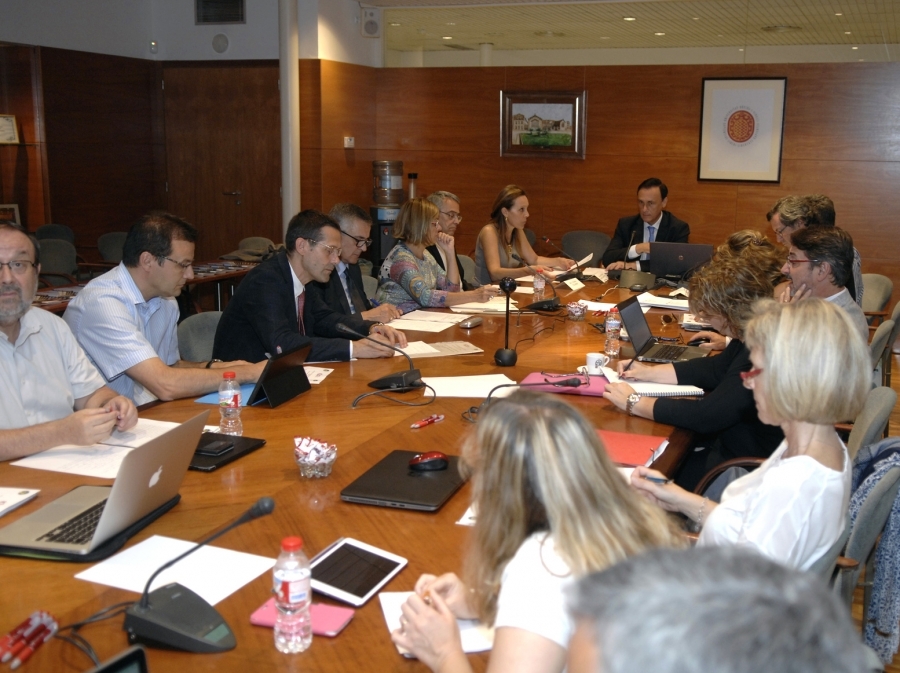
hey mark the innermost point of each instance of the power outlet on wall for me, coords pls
(349, 142)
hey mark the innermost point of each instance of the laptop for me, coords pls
(390, 483)
(283, 378)
(678, 261)
(87, 516)
(646, 347)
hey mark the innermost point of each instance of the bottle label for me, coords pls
(230, 400)
(296, 591)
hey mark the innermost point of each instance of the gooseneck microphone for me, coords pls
(577, 273)
(175, 617)
(546, 304)
(506, 356)
(408, 379)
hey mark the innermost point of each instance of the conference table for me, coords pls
(432, 542)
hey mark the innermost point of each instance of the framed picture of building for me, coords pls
(9, 132)
(742, 129)
(10, 211)
(542, 123)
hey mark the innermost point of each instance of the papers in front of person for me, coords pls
(212, 572)
(600, 274)
(468, 518)
(420, 349)
(417, 348)
(98, 460)
(474, 636)
(10, 498)
(647, 299)
(653, 389)
(426, 321)
(469, 386)
(691, 323)
(495, 305)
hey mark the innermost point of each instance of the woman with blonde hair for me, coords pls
(504, 237)
(410, 278)
(551, 507)
(811, 369)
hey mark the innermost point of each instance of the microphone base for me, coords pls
(411, 378)
(178, 619)
(546, 305)
(568, 276)
(505, 357)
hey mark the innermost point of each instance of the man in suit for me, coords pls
(448, 219)
(271, 312)
(651, 224)
(344, 292)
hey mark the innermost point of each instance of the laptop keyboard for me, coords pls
(668, 352)
(77, 530)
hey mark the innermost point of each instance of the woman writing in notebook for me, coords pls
(550, 507)
(810, 370)
(722, 294)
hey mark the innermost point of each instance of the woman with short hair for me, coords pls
(810, 370)
(551, 507)
(410, 278)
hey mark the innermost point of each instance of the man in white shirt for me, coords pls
(818, 265)
(126, 320)
(51, 394)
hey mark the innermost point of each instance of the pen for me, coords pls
(628, 366)
(13, 636)
(15, 647)
(34, 644)
(434, 418)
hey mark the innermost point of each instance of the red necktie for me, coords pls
(301, 300)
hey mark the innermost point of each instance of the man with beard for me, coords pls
(52, 394)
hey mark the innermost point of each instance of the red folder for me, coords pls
(625, 448)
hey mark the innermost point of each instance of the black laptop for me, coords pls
(390, 483)
(678, 261)
(646, 347)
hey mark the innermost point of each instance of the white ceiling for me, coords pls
(564, 24)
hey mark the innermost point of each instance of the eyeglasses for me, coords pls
(336, 252)
(750, 375)
(184, 265)
(360, 242)
(452, 215)
(18, 266)
(793, 261)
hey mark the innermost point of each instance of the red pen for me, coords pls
(16, 646)
(33, 645)
(14, 635)
(434, 418)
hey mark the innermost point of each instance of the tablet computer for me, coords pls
(283, 378)
(352, 571)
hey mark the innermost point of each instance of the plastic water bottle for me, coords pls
(293, 625)
(613, 326)
(230, 406)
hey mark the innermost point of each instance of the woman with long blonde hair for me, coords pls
(551, 507)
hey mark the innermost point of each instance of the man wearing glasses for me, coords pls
(126, 320)
(344, 292)
(818, 265)
(52, 394)
(271, 311)
(448, 220)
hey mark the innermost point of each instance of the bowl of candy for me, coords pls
(314, 457)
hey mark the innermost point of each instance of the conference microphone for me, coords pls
(175, 617)
(506, 356)
(568, 274)
(405, 380)
(547, 304)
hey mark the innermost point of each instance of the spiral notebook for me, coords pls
(654, 389)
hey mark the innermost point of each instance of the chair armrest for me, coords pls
(708, 478)
(844, 563)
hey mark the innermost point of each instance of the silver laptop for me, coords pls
(87, 516)
(646, 347)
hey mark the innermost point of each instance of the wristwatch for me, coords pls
(633, 399)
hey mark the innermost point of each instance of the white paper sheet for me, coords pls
(212, 572)
(414, 348)
(475, 636)
(468, 386)
(468, 517)
(494, 305)
(424, 325)
(595, 305)
(317, 374)
(98, 460)
(646, 299)
(430, 316)
(145, 430)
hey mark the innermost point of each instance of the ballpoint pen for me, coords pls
(434, 418)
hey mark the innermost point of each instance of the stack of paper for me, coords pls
(475, 636)
(426, 321)
(495, 305)
(647, 299)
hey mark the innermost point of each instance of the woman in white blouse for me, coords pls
(810, 370)
(550, 507)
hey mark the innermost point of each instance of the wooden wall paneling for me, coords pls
(543, 78)
(99, 129)
(223, 135)
(310, 134)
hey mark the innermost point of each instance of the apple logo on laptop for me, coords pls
(154, 480)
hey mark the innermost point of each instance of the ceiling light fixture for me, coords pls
(696, 18)
(447, 37)
(846, 32)
(780, 29)
(838, 14)
(854, 48)
(659, 34)
(629, 18)
(394, 24)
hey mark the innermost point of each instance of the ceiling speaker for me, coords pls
(370, 22)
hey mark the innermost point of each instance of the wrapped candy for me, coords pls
(314, 457)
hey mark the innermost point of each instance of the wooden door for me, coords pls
(223, 151)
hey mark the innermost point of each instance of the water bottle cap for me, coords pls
(293, 543)
(228, 375)
(614, 309)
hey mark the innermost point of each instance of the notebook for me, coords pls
(283, 378)
(390, 483)
(646, 347)
(86, 516)
(648, 389)
(678, 261)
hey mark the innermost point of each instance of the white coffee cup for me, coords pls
(594, 361)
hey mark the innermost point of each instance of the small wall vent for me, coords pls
(219, 11)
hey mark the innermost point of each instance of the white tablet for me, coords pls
(353, 571)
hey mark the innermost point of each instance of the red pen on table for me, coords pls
(434, 418)
(13, 636)
(15, 647)
(34, 643)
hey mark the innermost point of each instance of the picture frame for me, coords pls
(543, 124)
(742, 129)
(10, 211)
(9, 130)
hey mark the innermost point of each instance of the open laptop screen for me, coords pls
(633, 318)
